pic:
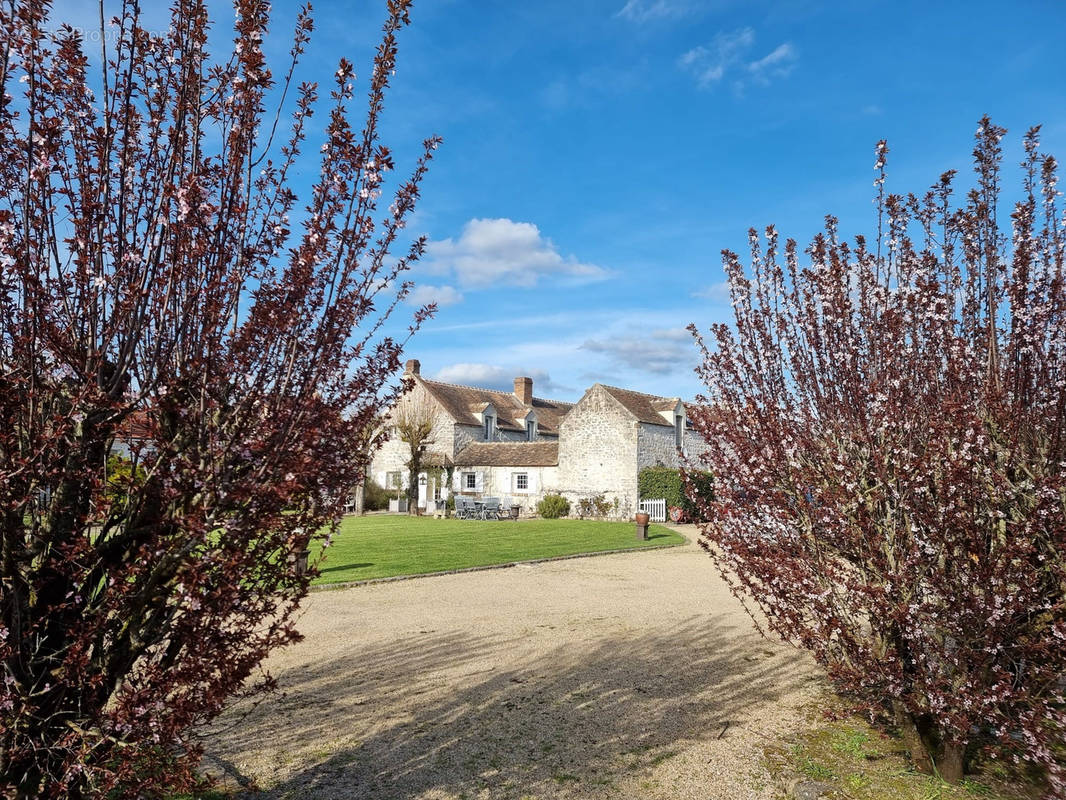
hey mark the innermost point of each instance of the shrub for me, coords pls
(375, 496)
(656, 482)
(892, 419)
(597, 506)
(553, 506)
(123, 477)
(151, 279)
(676, 487)
(601, 506)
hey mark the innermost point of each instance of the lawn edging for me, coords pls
(329, 587)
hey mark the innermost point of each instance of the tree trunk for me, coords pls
(952, 763)
(920, 756)
(412, 490)
(360, 498)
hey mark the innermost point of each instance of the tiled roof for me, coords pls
(509, 454)
(459, 401)
(645, 407)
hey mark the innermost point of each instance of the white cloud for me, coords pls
(501, 252)
(491, 376)
(647, 10)
(660, 351)
(776, 64)
(710, 64)
(424, 294)
(727, 56)
(715, 291)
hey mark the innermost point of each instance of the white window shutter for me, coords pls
(532, 481)
(479, 482)
(457, 478)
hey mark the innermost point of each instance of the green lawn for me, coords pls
(381, 546)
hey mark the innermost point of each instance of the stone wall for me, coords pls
(656, 445)
(694, 446)
(598, 450)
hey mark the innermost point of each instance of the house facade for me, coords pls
(520, 447)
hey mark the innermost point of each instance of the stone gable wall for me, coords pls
(598, 450)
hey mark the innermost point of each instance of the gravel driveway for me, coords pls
(634, 675)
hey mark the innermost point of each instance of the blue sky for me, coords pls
(599, 154)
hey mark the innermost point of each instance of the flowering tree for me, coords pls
(889, 430)
(149, 271)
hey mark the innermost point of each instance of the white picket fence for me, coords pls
(656, 509)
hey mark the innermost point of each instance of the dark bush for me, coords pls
(697, 494)
(375, 497)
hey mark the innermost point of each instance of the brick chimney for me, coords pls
(412, 367)
(523, 390)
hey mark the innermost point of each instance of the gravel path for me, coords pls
(624, 676)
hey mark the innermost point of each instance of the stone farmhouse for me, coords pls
(520, 447)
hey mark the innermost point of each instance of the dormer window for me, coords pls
(531, 430)
(490, 427)
(679, 431)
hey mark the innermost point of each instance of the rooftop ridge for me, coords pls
(493, 391)
(644, 394)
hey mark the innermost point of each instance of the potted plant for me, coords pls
(642, 518)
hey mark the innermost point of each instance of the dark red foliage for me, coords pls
(888, 432)
(155, 295)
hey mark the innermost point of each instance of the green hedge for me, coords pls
(656, 482)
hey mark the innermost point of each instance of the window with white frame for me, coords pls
(520, 482)
(469, 481)
(393, 480)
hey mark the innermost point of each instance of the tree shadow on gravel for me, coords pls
(425, 716)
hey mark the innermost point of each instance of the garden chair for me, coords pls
(491, 509)
(464, 509)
